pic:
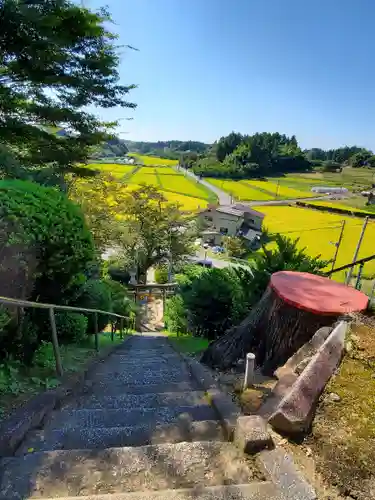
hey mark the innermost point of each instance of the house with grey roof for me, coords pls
(231, 220)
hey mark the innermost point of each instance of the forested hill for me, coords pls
(169, 147)
(263, 154)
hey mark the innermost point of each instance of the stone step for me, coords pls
(125, 360)
(71, 418)
(147, 400)
(140, 376)
(139, 435)
(115, 388)
(67, 473)
(254, 491)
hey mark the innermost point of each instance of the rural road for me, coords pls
(224, 198)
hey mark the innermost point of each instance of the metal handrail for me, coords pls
(51, 308)
(351, 264)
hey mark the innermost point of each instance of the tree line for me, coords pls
(239, 156)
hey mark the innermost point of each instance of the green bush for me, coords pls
(121, 303)
(215, 302)
(96, 294)
(161, 274)
(47, 240)
(71, 327)
(44, 356)
(175, 315)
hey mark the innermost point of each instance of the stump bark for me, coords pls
(273, 331)
(278, 325)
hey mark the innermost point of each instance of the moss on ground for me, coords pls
(188, 344)
(343, 436)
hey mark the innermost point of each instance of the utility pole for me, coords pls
(277, 189)
(350, 272)
(337, 245)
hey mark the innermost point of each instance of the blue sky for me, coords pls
(207, 67)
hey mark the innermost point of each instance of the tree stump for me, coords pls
(294, 306)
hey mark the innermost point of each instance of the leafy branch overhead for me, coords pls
(57, 60)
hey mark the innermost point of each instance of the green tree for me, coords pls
(360, 159)
(57, 58)
(234, 246)
(215, 302)
(226, 145)
(154, 231)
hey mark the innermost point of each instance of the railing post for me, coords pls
(122, 327)
(96, 332)
(55, 343)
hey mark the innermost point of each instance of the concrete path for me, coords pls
(224, 198)
(141, 429)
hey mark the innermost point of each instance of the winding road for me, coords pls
(224, 198)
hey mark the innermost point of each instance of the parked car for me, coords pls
(204, 263)
(218, 249)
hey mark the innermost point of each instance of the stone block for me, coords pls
(251, 434)
(279, 467)
(295, 411)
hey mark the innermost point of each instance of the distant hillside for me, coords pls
(167, 149)
(113, 148)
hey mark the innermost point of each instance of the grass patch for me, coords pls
(188, 344)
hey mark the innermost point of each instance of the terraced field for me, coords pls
(249, 190)
(175, 186)
(318, 231)
(153, 160)
(241, 190)
(115, 169)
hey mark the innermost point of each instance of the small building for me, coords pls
(233, 220)
(329, 190)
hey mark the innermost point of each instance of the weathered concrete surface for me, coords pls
(135, 401)
(115, 470)
(138, 435)
(251, 434)
(279, 466)
(295, 411)
(254, 491)
(118, 418)
(306, 351)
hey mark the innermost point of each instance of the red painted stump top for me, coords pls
(317, 294)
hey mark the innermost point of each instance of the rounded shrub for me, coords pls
(161, 275)
(71, 326)
(46, 239)
(175, 315)
(96, 294)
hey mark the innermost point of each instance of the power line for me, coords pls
(307, 229)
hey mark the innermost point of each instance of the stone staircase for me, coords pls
(141, 429)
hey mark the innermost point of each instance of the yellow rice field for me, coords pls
(153, 160)
(318, 231)
(240, 190)
(114, 169)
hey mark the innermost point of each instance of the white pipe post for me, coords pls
(249, 372)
